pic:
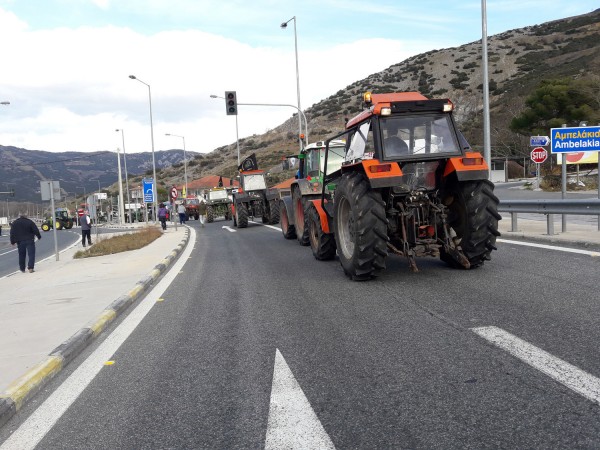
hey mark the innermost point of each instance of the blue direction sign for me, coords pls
(539, 141)
(148, 186)
(576, 139)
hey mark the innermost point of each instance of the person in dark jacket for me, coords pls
(86, 228)
(162, 215)
(22, 233)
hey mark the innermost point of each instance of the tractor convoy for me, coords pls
(400, 179)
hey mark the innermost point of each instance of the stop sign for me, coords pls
(539, 155)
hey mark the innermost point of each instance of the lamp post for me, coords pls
(126, 177)
(121, 206)
(284, 26)
(486, 91)
(184, 162)
(133, 77)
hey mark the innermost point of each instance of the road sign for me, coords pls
(539, 155)
(148, 187)
(539, 141)
(174, 193)
(575, 139)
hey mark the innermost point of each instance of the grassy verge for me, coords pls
(121, 243)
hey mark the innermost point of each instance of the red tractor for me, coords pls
(409, 185)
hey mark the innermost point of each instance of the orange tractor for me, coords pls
(409, 185)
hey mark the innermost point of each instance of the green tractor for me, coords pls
(63, 219)
(218, 203)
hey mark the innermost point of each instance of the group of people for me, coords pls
(163, 214)
(24, 231)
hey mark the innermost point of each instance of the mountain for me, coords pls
(518, 60)
(77, 172)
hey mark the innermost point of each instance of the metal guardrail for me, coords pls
(589, 207)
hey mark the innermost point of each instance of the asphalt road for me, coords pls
(391, 363)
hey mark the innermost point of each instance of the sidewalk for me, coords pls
(49, 316)
(577, 235)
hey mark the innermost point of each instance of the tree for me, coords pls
(556, 102)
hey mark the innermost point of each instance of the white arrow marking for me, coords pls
(292, 423)
(231, 230)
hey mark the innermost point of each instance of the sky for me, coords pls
(65, 64)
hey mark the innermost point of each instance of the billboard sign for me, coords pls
(575, 139)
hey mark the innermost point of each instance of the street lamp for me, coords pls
(184, 162)
(133, 77)
(284, 26)
(487, 150)
(126, 177)
(4, 103)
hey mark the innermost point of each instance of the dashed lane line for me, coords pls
(567, 374)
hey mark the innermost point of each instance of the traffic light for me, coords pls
(231, 103)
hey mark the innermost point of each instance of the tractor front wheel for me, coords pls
(322, 244)
(360, 227)
(45, 227)
(210, 214)
(300, 217)
(289, 231)
(58, 224)
(241, 212)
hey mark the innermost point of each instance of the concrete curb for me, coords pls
(25, 387)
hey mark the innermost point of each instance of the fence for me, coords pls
(586, 207)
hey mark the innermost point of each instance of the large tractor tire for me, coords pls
(289, 231)
(473, 221)
(69, 225)
(300, 217)
(58, 224)
(45, 227)
(322, 244)
(241, 212)
(210, 214)
(360, 227)
(274, 209)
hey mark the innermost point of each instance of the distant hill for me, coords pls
(518, 60)
(22, 169)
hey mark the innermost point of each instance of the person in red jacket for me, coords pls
(22, 233)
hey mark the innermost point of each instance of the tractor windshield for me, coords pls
(217, 195)
(418, 135)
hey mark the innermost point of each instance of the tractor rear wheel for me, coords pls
(322, 244)
(274, 208)
(210, 214)
(241, 212)
(473, 221)
(360, 227)
(300, 218)
(289, 231)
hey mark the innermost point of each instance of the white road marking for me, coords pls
(265, 225)
(292, 423)
(231, 230)
(567, 374)
(550, 247)
(41, 421)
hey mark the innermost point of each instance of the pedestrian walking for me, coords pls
(202, 211)
(23, 232)
(181, 212)
(162, 216)
(86, 228)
